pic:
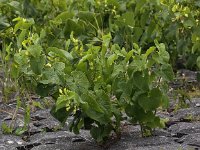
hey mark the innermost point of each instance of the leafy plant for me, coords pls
(6, 129)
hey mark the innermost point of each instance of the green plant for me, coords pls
(181, 96)
(103, 82)
(146, 88)
(182, 32)
(10, 128)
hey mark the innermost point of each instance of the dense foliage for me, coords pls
(100, 59)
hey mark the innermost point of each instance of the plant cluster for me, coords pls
(99, 59)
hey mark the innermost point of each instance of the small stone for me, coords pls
(19, 142)
(10, 142)
(198, 105)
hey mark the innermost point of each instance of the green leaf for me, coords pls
(195, 47)
(42, 34)
(76, 27)
(141, 80)
(35, 50)
(150, 101)
(146, 117)
(21, 59)
(140, 4)
(44, 90)
(150, 29)
(27, 116)
(78, 81)
(154, 122)
(60, 114)
(37, 104)
(139, 63)
(118, 69)
(138, 32)
(14, 71)
(59, 4)
(60, 52)
(130, 111)
(167, 72)
(189, 23)
(129, 55)
(92, 102)
(165, 56)
(87, 16)
(63, 17)
(111, 59)
(61, 102)
(104, 102)
(21, 37)
(138, 114)
(19, 131)
(97, 134)
(127, 87)
(106, 39)
(101, 133)
(37, 64)
(113, 3)
(128, 19)
(54, 74)
(84, 58)
(22, 24)
(149, 51)
(165, 101)
(144, 19)
(58, 67)
(94, 109)
(162, 56)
